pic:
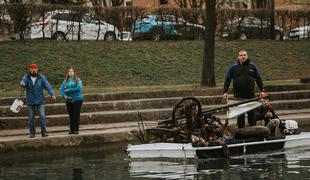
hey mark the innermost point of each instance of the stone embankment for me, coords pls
(110, 117)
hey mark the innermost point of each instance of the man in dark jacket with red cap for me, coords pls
(34, 82)
(244, 74)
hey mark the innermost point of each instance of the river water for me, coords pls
(111, 162)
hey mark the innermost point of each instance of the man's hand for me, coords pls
(225, 96)
(22, 84)
(53, 98)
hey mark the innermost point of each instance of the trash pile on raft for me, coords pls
(189, 124)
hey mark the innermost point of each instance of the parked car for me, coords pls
(158, 27)
(124, 36)
(300, 32)
(249, 28)
(64, 25)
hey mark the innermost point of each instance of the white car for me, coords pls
(64, 25)
(300, 32)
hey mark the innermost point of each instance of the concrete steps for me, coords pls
(133, 95)
(107, 108)
(118, 105)
(102, 117)
(84, 129)
(154, 103)
(6, 101)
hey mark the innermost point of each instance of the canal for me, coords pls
(111, 162)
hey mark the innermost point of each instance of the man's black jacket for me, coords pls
(244, 77)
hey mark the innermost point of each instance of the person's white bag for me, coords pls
(17, 104)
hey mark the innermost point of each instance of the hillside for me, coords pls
(118, 64)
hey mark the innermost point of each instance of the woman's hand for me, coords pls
(53, 98)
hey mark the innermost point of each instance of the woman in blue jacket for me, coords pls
(71, 90)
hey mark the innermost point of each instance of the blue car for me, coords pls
(158, 27)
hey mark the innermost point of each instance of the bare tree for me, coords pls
(181, 3)
(220, 4)
(190, 3)
(135, 13)
(208, 76)
(97, 14)
(107, 3)
(21, 17)
(117, 2)
(260, 4)
(67, 2)
(272, 19)
(96, 2)
(196, 3)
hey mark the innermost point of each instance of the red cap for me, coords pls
(33, 66)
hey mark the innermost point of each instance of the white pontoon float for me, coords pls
(177, 150)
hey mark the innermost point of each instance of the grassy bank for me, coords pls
(117, 64)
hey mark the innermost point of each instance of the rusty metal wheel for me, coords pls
(187, 109)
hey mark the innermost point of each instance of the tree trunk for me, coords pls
(272, 21)
(43, 25)
(79, 31)
(208, 77)
(99, 29)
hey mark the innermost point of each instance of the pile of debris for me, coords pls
(189, 124)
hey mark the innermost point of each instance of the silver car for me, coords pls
(300, 32)
(64, 25)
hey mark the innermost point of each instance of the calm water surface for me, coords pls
(110, 162)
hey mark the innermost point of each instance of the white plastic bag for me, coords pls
(17, 104)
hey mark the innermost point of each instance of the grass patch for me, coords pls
(127, 64)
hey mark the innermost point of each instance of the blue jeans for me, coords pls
(31, 113)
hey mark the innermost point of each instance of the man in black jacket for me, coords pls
(244, 74)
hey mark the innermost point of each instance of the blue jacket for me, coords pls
(34, 95)
(72, 91)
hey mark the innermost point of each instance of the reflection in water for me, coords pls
(77, 174)
(280, 165)
(112, 163)
(73, 164)
(163, 169)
